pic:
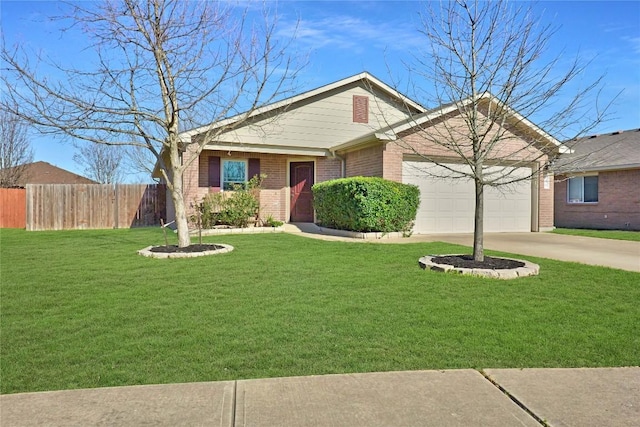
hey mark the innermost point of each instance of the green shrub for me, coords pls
(366, 204)
(211, 209)
(272, 222)
(234, 208)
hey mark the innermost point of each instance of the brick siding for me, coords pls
(545, 202)
(365, 162)
(274, 193)
(328, 168)
(618, 205)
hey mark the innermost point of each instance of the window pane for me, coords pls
(233, 172)
(575, 190)
(590, 188)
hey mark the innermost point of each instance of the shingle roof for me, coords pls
(611, 151)
(46, 173)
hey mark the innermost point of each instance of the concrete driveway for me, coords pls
(621, 254)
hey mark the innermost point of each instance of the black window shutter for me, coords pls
(254, 167)
(214, 172)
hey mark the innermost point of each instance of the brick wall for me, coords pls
(273, 194)
(618, 205)
(365, 162)
(273, 197)
(328, 168)
(545, 202)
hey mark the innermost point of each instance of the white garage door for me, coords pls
(447, 205)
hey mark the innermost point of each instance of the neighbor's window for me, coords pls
(234, 172)
(583, 189)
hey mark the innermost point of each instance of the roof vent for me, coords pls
(618, 132)
(360, 109)
(593, 136)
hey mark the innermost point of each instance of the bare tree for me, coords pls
(140, 160)
(487, 66)
(160, 67)
(101, 162)
(15, 148)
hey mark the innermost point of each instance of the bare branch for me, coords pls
(15, 149)
(102, 163)
(486, 64)
(156, 68)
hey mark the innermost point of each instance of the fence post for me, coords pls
(116, 207)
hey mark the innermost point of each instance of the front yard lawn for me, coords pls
(81, 309)
(603, 234)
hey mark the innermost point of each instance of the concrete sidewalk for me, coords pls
(497, 397)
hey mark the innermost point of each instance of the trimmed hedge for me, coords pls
(366, 204)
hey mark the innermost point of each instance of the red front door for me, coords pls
(301, 179)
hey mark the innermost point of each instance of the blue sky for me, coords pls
(344, 38)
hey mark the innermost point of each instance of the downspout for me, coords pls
(343, 164)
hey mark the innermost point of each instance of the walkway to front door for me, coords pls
(301, 180)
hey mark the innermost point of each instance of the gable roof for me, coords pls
(46, 173)
(611, 151)
(291, 101)
(390, 133)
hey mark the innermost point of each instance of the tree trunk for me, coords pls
(177, 196)
(478, 231)
(184, 239)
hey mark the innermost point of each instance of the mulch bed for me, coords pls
(467, 261)
(171, 249)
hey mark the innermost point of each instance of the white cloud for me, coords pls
(353, 33)
(634, 42)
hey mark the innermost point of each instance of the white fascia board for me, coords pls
(370, 137)
(385, 136)
(385, 87)
(419, 120)
(390, 133)
(270, 149)
(304, 96)
(422, 119)
(593, 169)
(520, 118)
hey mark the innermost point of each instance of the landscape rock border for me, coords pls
(361, 235)
(231, 230)
(147, 252)
(529, 269)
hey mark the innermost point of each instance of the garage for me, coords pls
(447, 205)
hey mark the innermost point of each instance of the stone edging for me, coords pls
(147, 252)
(247, 230)
(360, 235)
(529, 269)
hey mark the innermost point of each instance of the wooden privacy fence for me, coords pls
(13, 208)
(84, 206)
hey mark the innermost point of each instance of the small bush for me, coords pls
(272, 222)
(234, 208)
(366, 204)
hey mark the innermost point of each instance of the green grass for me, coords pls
(603, 234)
(81, 309)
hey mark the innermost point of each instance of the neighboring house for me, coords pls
(359, 126)
(46, 173)
(598, 184)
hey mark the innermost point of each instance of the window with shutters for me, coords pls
(360, 109)
(226, 174)
(234, 173)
